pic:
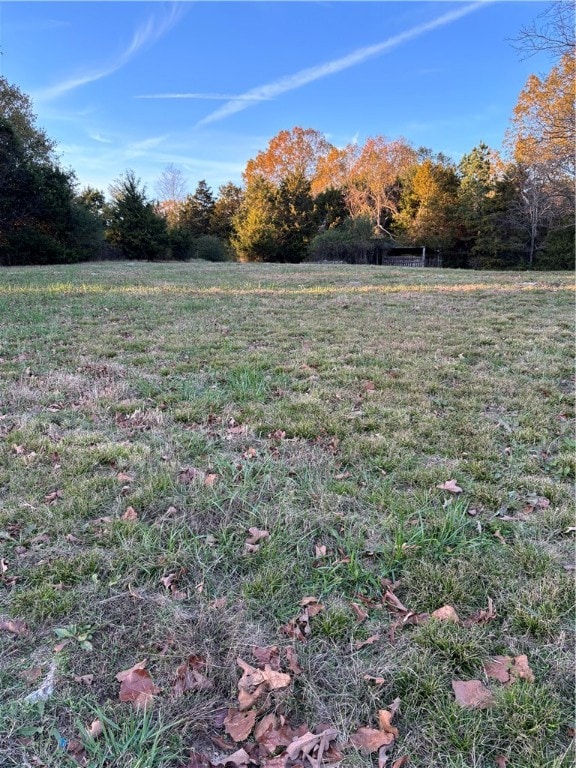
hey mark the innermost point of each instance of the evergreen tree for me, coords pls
(196, 211)
(225, 209)
(134, 226)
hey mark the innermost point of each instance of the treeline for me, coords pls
(303, 198)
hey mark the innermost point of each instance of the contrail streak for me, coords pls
(309, 75)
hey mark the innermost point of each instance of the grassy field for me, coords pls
(152, 414)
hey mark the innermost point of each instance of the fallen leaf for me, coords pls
(359, 612)
(498, 668)
(273, 679)
(536, 502)
(256, 535)
(292, 659)
(482, 616)
(521, 669)
(130, 514)
(30, 675)
(446, 613)
(189, 475)
(269, 655)
(375, 680)
(385, 722)
(393, 603)
(450, 485)
(198, 761)
(472, 694)
(239, 758)
(312, 746)
(313, 607)
(210, 479)
(319, 551)
(369, 386)
(400, 762)
(52, 498)
(239, 724)
(369, 641)
(96, 729)
(15, 626)
(122, 477)
(250, 453)
(370, 739)
(136, 686)
(498, 535)
(190, 678)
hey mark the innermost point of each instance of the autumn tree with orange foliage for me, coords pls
(373, 188)
(297, 152)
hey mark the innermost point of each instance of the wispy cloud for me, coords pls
(311, 74)
(100, 139)
(153, 29)
(209, 96)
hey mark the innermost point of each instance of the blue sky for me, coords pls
(205, 85)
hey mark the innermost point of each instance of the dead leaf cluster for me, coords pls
(444, 613)
(299, 627)
(252, 543)
(189, 475)
(381, 739)
(170, 581)
(190, 677)
(473, 694)
(507, 669)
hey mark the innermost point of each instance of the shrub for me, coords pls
(348, 242)
(210, 248)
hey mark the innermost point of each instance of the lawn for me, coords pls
(203, 463)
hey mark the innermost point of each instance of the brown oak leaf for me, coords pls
(239, 724)
(472, 694)
(370, 739)
(451, 486)
(498, 668)
(521, 669)
(446, 613)
(136, 686)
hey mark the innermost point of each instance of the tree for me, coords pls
(255, 237)
(330, 208)
(428, 203)
(543, 126)
(16, 109)
(93, 199)
(171, 191)
(196, 211)
(134, 226)
(275, 223)
(290, 153)
(552, 32)
(40, 220)
(500, 236)
(225, 208)
(373, 188)
(293, 218)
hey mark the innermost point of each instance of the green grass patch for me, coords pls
(152, 414)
